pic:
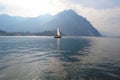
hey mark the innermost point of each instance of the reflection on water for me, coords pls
(68, 58)
(58, 43)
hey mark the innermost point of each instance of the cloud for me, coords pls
(2, 7)
(98, 4)
(29, 7)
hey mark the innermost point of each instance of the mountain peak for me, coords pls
(70, 11)
(67, 12)
(4, 15)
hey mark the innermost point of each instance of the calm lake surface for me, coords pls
(68, 58)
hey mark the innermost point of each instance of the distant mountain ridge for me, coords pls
(69, 22)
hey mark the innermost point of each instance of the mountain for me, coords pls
(31, 24)
(6, 21)
(69, 22)
(45, 33)
(2, 33)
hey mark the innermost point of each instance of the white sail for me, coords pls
(58, 35)
(58, 32)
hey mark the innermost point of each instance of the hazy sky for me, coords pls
(103, 14)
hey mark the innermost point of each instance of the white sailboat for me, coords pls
(58, 35)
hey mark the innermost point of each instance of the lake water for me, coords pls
(68, 58)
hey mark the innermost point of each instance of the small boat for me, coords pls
(58, 35)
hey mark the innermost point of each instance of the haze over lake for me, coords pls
(68, 58)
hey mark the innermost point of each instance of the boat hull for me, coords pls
(57, 36)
